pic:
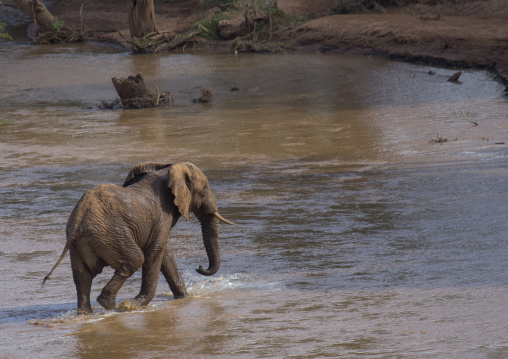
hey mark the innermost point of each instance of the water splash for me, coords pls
(70, 317)
(201, 286)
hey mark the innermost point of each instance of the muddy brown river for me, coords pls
(356, 236)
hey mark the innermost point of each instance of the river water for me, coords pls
(356, 235)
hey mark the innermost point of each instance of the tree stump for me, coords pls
(134, 94)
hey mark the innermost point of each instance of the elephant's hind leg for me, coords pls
(83, 282)
(124, 268)
(107, 298)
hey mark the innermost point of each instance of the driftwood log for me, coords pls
(455, 76)
(134, 93)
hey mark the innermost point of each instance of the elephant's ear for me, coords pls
(138, 171)
(179, 181)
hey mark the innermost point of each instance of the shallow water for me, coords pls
(356, 236)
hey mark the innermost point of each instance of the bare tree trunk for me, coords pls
(38, 12)
(141, 18)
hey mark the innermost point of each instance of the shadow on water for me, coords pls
(31, 312)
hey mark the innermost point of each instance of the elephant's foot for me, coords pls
(130, 305)
(108, 303)
(180, 295)
(85, 311)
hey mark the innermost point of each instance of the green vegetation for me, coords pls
(264, 6)
(5, 122)
(57, 25)
(208, 28)
(3, 34)
(140, 45)
(267, 16)
(279, 17)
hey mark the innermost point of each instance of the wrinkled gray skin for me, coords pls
(128, 227)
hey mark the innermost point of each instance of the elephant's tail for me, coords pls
(66, 249)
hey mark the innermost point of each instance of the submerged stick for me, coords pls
(467, 118)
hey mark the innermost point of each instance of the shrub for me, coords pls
(3, 34)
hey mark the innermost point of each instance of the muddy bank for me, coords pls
(448, 41)
(461, 34)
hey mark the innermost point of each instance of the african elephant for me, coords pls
(128, 227)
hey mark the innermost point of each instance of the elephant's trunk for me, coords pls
(210, 229)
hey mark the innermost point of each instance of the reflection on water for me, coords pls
(355, 236)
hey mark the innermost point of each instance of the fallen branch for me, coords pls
(203, 28)
(173, 44)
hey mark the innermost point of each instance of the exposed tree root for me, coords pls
(152, 43)
(64, 35)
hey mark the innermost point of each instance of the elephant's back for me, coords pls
(97, 204)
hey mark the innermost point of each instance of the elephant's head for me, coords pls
(191, 194)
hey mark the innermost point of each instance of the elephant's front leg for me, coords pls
(173, 277)
(150, 277)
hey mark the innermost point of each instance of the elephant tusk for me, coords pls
(216, 214)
